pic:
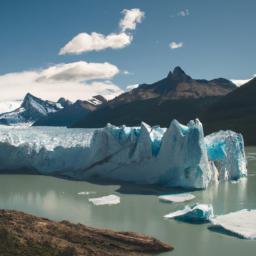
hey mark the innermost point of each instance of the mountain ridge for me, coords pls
(236, 111)
(175, 96)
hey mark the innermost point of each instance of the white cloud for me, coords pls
(79, 71)
(131, 87)
(174, 45)
(131, 18)
(85, 42)
(240, 82)
(126, 72)
(183, 13)
(73, 81)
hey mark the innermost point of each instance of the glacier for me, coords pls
(226, 150)
(177, 156)
(195, 213)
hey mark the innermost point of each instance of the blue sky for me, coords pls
(218, 37)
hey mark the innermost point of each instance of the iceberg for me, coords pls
(226, 151)
(105, 200)
(177, 198)
(179, 156)
(241, 223)
(196, 213)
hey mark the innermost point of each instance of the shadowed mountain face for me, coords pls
(176, 96)
(236, 111)
(178, 85)
(72, 113)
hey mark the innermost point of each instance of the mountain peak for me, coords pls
(27, 100)
(179, 75)
(178, 71)
(28, 95)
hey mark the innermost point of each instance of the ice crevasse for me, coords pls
(179, 156)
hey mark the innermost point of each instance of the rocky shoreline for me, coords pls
(28, 235)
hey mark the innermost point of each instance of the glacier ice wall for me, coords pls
(179, 156)
(174, 157)
(226, 150)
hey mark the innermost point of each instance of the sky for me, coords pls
(78, 48)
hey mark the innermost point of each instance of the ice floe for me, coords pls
(177, 198)
(105, 200)
(241, 223)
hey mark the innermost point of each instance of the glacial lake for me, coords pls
(139, 210)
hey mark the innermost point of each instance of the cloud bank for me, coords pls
(77, 80)
(85, 42)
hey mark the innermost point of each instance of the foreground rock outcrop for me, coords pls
(27, 235)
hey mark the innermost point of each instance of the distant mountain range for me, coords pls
(72, 113)
(219, 104)
(176, 96)
(36, 111)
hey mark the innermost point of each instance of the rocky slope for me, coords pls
(24, 234)
(178, 85)
(176, 96)
(236, 111)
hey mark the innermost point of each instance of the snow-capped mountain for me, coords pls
(31, 110)
(72, 113)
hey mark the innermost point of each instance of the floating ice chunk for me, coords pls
(177, 198)
(105, 200)
(226, 150)
(85, 193)
(241, 223)
(195, 213)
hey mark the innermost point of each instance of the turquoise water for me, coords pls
(139, 210)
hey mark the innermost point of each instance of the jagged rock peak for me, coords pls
(28, 98)
(178, 74)
(64, 102)
(100, 98)
(178, 71)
